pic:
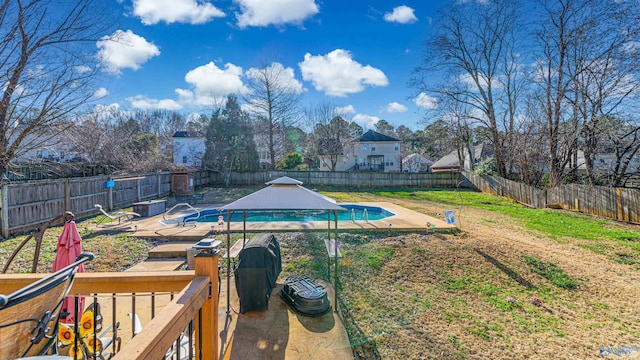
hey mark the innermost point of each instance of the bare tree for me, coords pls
(331, 132)
(46, 68)
(273, 99)
(604, 58)
(475, 47)
(579, 45)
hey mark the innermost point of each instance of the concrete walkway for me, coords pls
(277, 333)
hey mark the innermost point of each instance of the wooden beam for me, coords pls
(161, 332)
(108, 282)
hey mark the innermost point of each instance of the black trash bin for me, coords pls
(259, 264)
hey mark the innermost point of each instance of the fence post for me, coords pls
(67, 195)
(206, 263)
(619, 203)
(158, 177)
(139, 190)
(110, 198)
(5, 212)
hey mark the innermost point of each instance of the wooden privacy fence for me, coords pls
(615, 203)
(26, 205)
(349, 179)
(519, 192)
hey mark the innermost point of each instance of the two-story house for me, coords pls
(188, 148)
(373, 151)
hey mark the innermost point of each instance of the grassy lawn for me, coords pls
(115, 251)
(407, 293)
(602, 236)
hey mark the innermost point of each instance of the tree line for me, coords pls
(551, 84)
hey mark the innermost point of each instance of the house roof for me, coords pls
(482, 151)
(187, 134)
(417, 158)
(451, 160)
(374, 136)
(284, 194)
(448, 161)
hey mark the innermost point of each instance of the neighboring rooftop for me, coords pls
(188, 134)
(374, 136)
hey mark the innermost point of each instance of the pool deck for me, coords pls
(403, 220)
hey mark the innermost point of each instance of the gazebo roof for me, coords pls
(284, 193)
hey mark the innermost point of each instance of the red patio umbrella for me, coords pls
(68, 248)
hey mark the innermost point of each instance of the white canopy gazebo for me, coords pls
(284, 193)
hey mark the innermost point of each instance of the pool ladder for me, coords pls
(184, 222)
(365, 214)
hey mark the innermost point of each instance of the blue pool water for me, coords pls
(302, 216)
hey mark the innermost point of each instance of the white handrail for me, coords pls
(164, 216)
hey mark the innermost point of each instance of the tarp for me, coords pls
(68, 249)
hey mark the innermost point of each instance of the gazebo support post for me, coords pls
(244, 228)
(228, 262)
(329, 237)
(335, 254)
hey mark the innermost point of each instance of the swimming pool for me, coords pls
(354, 212)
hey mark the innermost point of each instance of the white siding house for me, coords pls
(188, 148)
(372, 152)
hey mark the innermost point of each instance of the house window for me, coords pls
(390, 163)
(396, 146)
(184, 159)
(365, 146)
(373, 148)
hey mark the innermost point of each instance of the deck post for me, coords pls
(206, 263)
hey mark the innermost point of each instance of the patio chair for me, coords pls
(127, 215)
(29, 317)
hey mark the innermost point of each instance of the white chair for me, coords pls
(126, 215)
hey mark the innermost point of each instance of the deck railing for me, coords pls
(193, 306)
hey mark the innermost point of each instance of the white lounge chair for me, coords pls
(127, 215)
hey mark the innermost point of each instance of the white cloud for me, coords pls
(100, 93)
(211, 83)
(366, 121)
(82, 69)
(337, 74)
(341, 110)
(394, 107)
(401, 14)
(285, 77)
(107, 112)
(274, 12)
(426, 102)
(124, 49)
(193, 117)
(152, 12)
(468, 80)
(145, 103)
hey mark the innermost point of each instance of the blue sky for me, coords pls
(187, 55)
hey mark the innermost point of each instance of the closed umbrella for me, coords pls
(68, 249)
